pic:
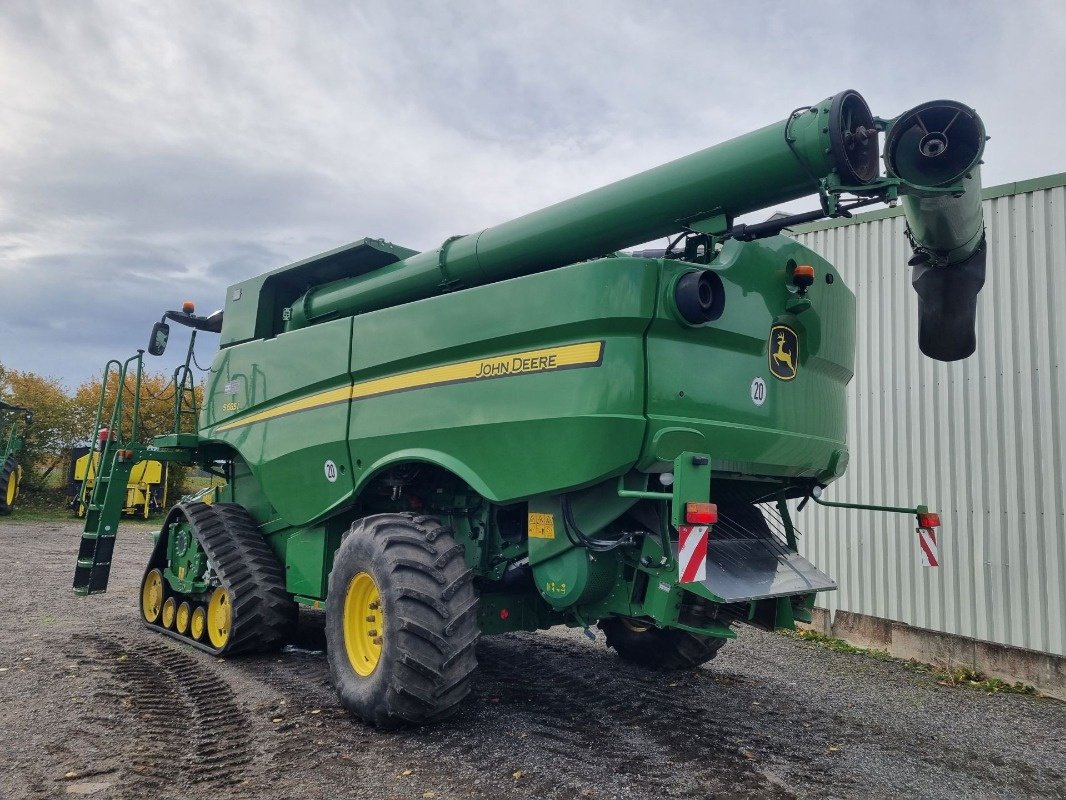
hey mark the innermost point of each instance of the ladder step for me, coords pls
(92, 536)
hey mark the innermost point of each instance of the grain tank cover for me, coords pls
(253, 306)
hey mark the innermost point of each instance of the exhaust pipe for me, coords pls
(933, 148)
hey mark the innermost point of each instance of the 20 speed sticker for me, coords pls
(330, 470)
(758, 391)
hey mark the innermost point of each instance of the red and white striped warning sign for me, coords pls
(692, 553)
(927, 547)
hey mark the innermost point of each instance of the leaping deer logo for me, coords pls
(783, 360)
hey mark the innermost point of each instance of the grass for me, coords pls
(945, 675)
(26, 516)
(53, 505)
(838, 645)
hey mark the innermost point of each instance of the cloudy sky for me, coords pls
(152, 152)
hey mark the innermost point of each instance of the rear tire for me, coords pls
(10, 477)
(659, 648)
(411, 662)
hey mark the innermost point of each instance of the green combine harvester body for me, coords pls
(13, 423)
(528, 427)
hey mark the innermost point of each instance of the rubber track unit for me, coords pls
(10, 466)
(658, 648)
(263, 612)
(431, 628)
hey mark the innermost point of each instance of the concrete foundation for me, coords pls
(1045, 672)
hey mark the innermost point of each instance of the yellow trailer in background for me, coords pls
(145, 490)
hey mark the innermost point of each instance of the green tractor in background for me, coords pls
(528, 427)
(14, 419)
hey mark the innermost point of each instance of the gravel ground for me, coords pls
(92, 704)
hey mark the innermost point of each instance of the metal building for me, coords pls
(981, 440)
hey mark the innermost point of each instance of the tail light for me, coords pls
(701, 513)
(928, 520)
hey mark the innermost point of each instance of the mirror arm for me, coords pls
(212, 324)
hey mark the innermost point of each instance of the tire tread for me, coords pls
(432, 620)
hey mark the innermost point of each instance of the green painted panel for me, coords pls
(286, 450)
(253, 307)
(522, 433)
(305, 559)
(700, 379)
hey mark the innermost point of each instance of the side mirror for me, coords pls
(157, 344)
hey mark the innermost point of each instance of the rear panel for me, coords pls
(711, 389)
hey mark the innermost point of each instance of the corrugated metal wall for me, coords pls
(982, 440)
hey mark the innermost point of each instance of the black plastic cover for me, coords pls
(947, 306)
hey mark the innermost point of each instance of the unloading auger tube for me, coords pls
(933, 152)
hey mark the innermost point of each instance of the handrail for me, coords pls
(136, 424)
(184, 382)
(115, 439)
(91, 466)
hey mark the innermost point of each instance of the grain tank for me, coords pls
(528, 426)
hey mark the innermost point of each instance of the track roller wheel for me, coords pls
(247, 607)
(10, 477)
(658, 648)
(170, 610)
(401, 621)
(219, 618)
(152, 592)
(181, 621)
(198, 623)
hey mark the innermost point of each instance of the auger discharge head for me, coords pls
(935, 150)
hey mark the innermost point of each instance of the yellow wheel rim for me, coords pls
(181, 622)
(12, 486)
(170, 609)
(219, 618)
(152, 596)
(364, 624)
(198, 624)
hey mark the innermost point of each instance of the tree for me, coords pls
(156, 408)
(156, 413)
(62, 422)
(56, 425)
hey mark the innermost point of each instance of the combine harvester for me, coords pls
(15, 419)
(525, 427)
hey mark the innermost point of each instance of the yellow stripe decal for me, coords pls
(549, 359)
(303, 404)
